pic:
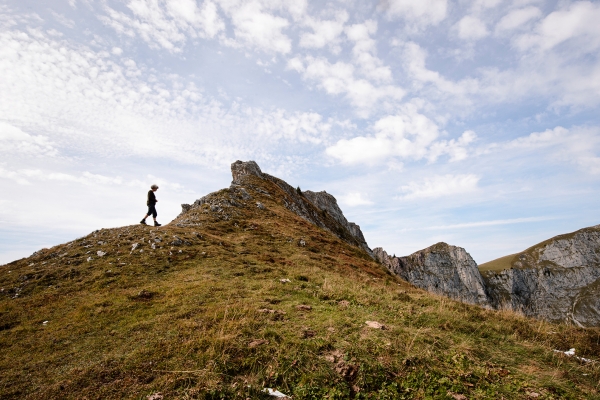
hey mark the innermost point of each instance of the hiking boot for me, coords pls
(143, 222)
(157, 224)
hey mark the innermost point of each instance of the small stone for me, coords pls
(302, 243)
(285, 280)
(457, 396)
(100, 253)
(45, 323)
(89, 259)
(344, 303)
(375, 325)
(260, 205)
(155, 396)
(258, 342)
(303, 307)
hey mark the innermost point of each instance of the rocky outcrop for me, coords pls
(239, 169)
(442, 269)
(319, 208)
(556, 280)
(328, 204)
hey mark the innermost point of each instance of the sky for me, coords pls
(475, 123)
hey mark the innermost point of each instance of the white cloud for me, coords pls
(578, 146)
(419, 13)
(14, 141)
(88, 103)
(257, 25)
(578, 21)
(415, 63)
(407, 135)
(25, 176)
(364, 51)
(354, 199)
(440, 186)
(517, 18)
(166, 23)
(538, 139)
(455, 148)
(260, 29)
(471, 28)
(61, 19)
(339, 78)
(325, 32)
(117, 51)
(490, 223)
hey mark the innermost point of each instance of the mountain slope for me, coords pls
(198, 309)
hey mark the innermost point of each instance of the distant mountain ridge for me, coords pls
(556, 280)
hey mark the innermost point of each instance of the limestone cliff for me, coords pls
(556, 280)
(442, 269)
(319, 208)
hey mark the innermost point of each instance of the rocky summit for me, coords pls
(261, 290)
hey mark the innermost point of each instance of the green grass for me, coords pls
(498, 264)
(130, 324)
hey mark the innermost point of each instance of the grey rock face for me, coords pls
(442, 269)
(240, 169)
(556, 280)
(327, 203)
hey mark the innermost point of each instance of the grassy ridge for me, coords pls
(498, 264)
(204, 314)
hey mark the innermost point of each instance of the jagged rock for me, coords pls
(239, 169)
(319, 208)
(442, 269)
(327, 203)
(556, 280)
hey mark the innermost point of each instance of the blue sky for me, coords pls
(470, 122)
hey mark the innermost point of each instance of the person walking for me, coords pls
(151, 206)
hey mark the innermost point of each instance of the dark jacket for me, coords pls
(151, 198)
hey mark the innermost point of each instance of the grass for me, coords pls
(204, 315)
(498, 264)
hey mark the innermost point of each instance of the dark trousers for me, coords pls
(152, 211)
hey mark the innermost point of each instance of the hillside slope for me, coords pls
(255, 286)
